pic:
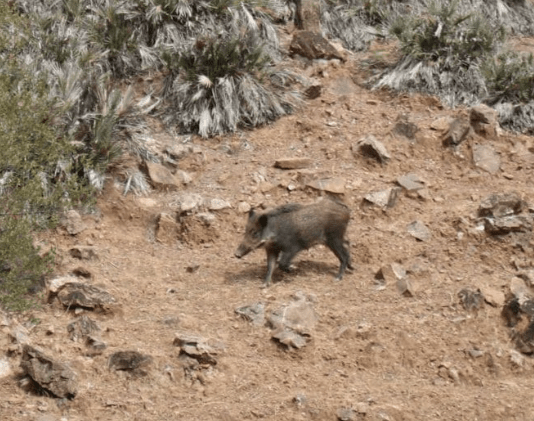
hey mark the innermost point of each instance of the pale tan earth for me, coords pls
(386, 355)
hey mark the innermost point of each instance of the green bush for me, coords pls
(444, 34)
(214, 59)
(40, 170)
(510, 77)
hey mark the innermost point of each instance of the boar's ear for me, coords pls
(262, 220)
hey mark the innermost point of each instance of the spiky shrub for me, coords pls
(510, 77)
(441, 54)
(445, 34)
(220, 84)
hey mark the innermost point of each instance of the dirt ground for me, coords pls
(385, 355)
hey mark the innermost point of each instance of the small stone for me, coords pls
(5, 368)
(404, 286)
(493, 296)
(457, 132)
(218, 204)
(332, 185)
(486, 158)
(254, 313)
(503, 204)
(129, 361)
(76, 294)
(471, 299)
(313, 91)
(384, 198)
(293, 163)
(405, 127)
(410, 182)
(73, 222)
(243, 207)
(84, 252)
(419, 231)
(161, 177)
(189, 202)
(372, 148)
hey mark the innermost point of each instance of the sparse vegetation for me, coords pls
(510, 77)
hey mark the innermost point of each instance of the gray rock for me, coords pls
(484, 121)
(292, 163)
(81, 328)
(132, 361)
(457, 132)
(162, 178)
(56, 377)
(254, 313)
(294, 323)
(391, 272)
(384, 198)
(405, 127)
(419, 230)
(313, 46)
(404, 286)
(471, 299)
(371, 147)
(84, 252)
(508, 224)
(5, 368)
(410, 182)
(218, 204)
(485, 158)
(500, 205)
(243, 207)
(75, 294)
(331, 185)
(73, 222)
(198, 348)
(313, 91)
(190, 202)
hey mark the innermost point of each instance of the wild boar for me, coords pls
(288, 229)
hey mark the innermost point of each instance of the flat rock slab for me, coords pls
(294, 323)
(419, 230)
(508, 224)
(410, 182)
(161, 177)
(331, 185)
(254, 313)
(292, 163)
(372, 148)
(485, 158)
(500, 205)
(76, 294)
(56, 377)
(198, 348)
(384, 198)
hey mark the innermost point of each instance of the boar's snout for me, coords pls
(241, 251)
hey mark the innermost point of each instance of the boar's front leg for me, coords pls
(272, 256)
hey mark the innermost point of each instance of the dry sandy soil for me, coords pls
(385, 355)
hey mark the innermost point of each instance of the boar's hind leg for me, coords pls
(272, 256)
(336, 245)
(286, 258)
